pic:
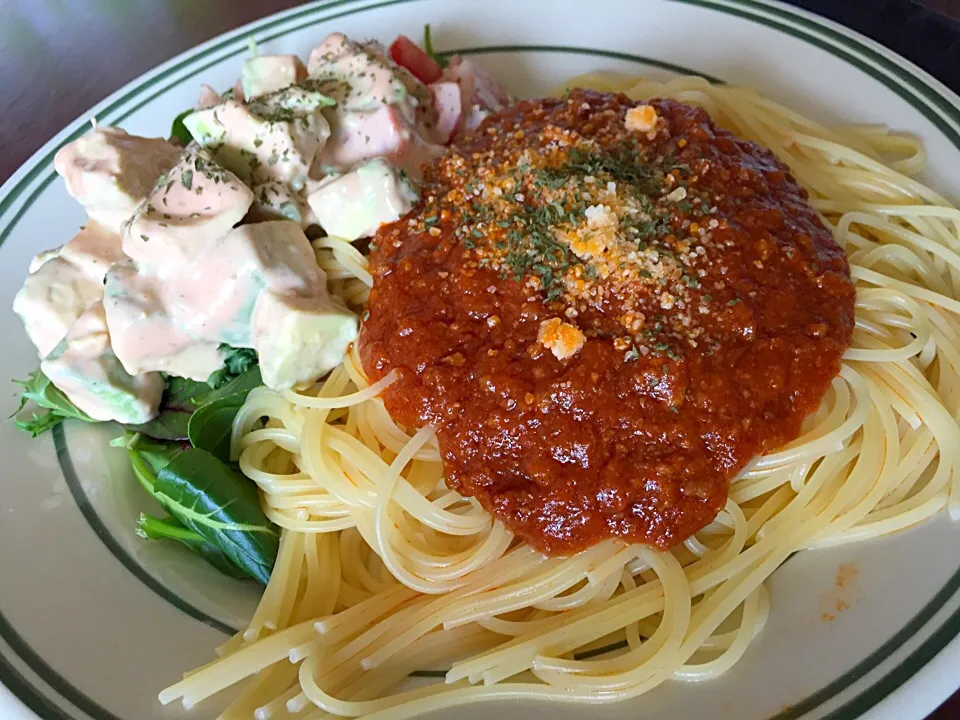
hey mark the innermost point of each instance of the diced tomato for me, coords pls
(406, 53)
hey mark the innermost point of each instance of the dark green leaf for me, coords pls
(183, 397)
(43, 393)
(180, 399)
(240, 384)
(170, 424)
(179, 130)
(210, 427)
(148, 457)
(236, 362)
(153, 528)
(218, 503)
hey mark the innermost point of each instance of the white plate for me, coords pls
(94, 622)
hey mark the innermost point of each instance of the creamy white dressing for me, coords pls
(196, 202)
(145, 336)
(360, 77)
(109, 172)
(255, 142)
(360, 136)
(85, 368)
(382, 110)
(214, 298)
(94, 249)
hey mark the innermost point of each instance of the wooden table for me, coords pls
(60, 57)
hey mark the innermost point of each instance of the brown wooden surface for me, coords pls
(60, 57)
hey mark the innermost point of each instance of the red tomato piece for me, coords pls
(406, 53)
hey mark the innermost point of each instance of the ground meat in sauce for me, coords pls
(606, 316)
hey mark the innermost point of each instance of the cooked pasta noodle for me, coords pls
(384, 572)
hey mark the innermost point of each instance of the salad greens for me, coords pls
(211, 503)
(182, 398)
(154, 528)
(182, 459)
(38, 388)
(210, 427)
(222, 506)
(179, 131)
(237, 361)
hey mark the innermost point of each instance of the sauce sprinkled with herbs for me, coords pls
(606, 308)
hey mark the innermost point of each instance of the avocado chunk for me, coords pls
(265, 74)
(110, 172)
(354, 205)
(51, 299)
(300, 339)
(274, 137)
(84, 367)
(214, 299)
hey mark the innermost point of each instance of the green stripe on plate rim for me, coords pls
(928, 100)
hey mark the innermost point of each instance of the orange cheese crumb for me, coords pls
(562, 339)
(642, 118)
(587, 246)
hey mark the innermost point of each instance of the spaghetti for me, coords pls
(383, 571)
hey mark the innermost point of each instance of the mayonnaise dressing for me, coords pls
(213, 299)
(195, 203)
(145, 336)
(94, 249)
(51, 299)
(85, 368)
(109, 172)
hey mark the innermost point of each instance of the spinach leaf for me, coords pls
(148, 457)
(153, 528)
(439, 58)
(244, 383)
(38, 388)
(183, 397)
(211, 425)
(236, 361)
(179, 131)
(222, 506)
(180, 399)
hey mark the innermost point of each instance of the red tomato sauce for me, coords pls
(606, 316)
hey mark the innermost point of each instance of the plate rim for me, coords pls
(27, 183)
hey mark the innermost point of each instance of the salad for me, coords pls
(196, 276)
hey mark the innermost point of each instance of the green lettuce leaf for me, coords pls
(38, 389)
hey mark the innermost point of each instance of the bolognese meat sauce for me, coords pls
(606, 309)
